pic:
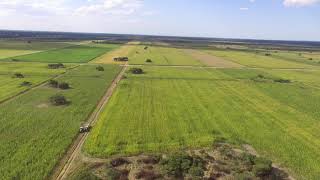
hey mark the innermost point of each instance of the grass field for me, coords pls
(173, 108)
(72, 54)
(251, 59)
(33, 140)
(35, 73)
(161, 56)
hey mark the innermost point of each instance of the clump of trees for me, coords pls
(100, 68)
(56, 66)
(18, 75)
(64, 85)
(56, 84)
(282, 80)
(136, 71)
(121, 59)
(181, 164)
(149, 61)
(26, 83)
(58, 100)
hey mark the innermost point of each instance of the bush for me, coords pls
(267, 54)
(262, 166)
(196, 171)
(118, 162)
(58, 100)
(18, 75)
(53, 83)
(26, 83)
(136, 71)
(261, 76)
(148, 60)
(55, 66)
(282, 80)
(178, 165)
(310, 59)
(99, 68)
(64, 85)
(114, 174)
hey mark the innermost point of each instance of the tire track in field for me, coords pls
(63, 168)
(39, 85)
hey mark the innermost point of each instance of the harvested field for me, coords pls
(211, 60)
(107, 58)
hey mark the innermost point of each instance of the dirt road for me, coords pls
(63, 168)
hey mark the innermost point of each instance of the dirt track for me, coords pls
(63, 168)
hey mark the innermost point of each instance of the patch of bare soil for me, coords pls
(211, 60)
(43, 105)
(222, 161)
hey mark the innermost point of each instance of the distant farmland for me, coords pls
(72, 54)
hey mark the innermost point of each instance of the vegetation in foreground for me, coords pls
(173, 108)
(33, 140)
(222, 160)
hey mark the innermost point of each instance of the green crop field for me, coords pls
(35, 134)
(251, 59)
(72, 54)
(161, 56)
(35, 73)
(174, 108)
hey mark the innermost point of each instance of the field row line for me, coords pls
(212, 67)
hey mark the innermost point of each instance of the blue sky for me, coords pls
(254, 19)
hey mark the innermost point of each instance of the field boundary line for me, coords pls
(41, 84)
(63, 167)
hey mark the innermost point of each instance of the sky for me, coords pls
(247, 19)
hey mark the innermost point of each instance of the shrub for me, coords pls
(64, 85)
(267, 54)
(148, 60)
(196, 171)
(26, 83)
(53, 83)
(282, 80)
(58, 100)
(310, 59)
(262, 166)
(178, 165)
(261, 76)
(118, 162)
(18, 75)
(113, 174)
(136, 71)
(99, 68)
(55, 66)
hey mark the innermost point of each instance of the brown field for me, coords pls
(108, 57)
(211, 60)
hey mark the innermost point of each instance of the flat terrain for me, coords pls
(33, 140)
(211, 60)
(72, 54)
(35, 73)
(259, 60)
(108, 57)
(172, 108)
(161, 56)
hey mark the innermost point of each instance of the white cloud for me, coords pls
(116, 7)
(290, 3)
(244, 9)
